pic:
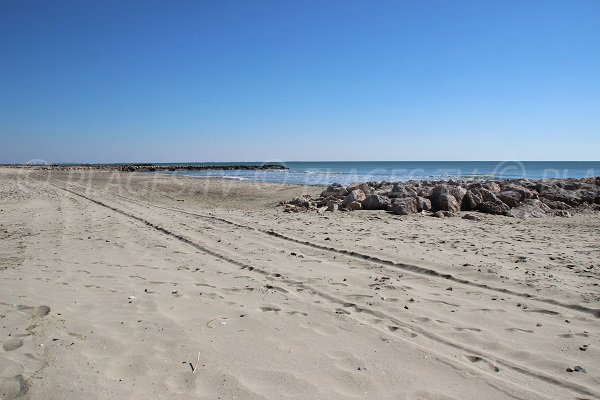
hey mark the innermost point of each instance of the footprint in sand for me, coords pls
(40, 311)
(269, 309)
(12, 344)
(483, 363)
(518, 330)
(543, 311)
(460, 329)
(276, 288)
(342, 311)
(403, 332)
(297, 312)
(12, 383)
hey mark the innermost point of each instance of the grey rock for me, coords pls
(355, 205)
(537, 203)
(404, 206)
(493, 187)
(555, 193)
(562, 213)
(424, 191)
(488, 195)
(423, 204)
(356, 195)
(333, 203)
(329, 199)
(361, 186)
(291, 208)
(472, 199)
(449, 203)
(333, 207)
(490, 207)
(555, 205)
(588, 196)
(511, 198)
(525, 193)
(376, 202)
(526, 211)
(569, 185)
(335, 189)
(401, 190)
(458, 192)
(302, 201)
(447, 198)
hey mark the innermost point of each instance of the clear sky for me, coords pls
(120, 81)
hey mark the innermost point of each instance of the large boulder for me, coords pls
(449, 203)
(333, 203)
(511, 198)
(436, 196)
(588, 196)
(401, 190)
(424, 191)
(491, 207)
(555, 205)
(458, 192)
(335, 189)
(423, 204)
(355, 205)
(525, 211)
(488, 195)
(493, 187)
(556, 193)
(376, 202)
(356, 195)
(537, 203)
(472, 199)
(562, 213)
(447, 197)
(302, 201)
(570, 185)
(360, 186)
(525, 193)
(404, 206)
(323, 201)
(291, 208)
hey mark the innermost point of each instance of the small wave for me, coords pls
(324, 172)
(236, 178)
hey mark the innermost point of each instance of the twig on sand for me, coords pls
(195, 368)
(212, 320)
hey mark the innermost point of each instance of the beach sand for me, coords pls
(129, 286)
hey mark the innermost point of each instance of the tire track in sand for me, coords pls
(515, 368)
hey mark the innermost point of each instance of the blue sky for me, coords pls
(119, 81)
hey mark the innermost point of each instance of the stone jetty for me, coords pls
(519, 198)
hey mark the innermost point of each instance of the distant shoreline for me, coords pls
(346, 173)
(147, 167)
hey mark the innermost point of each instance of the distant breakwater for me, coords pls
(153, 167)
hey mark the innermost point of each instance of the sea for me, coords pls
(322, 173)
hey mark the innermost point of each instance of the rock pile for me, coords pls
(520, 198)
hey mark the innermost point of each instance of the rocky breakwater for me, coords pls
(519, 198)
(233, 167)
(154, 167)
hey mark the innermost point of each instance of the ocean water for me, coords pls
(346, 172)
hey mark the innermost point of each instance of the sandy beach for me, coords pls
(130, 285)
